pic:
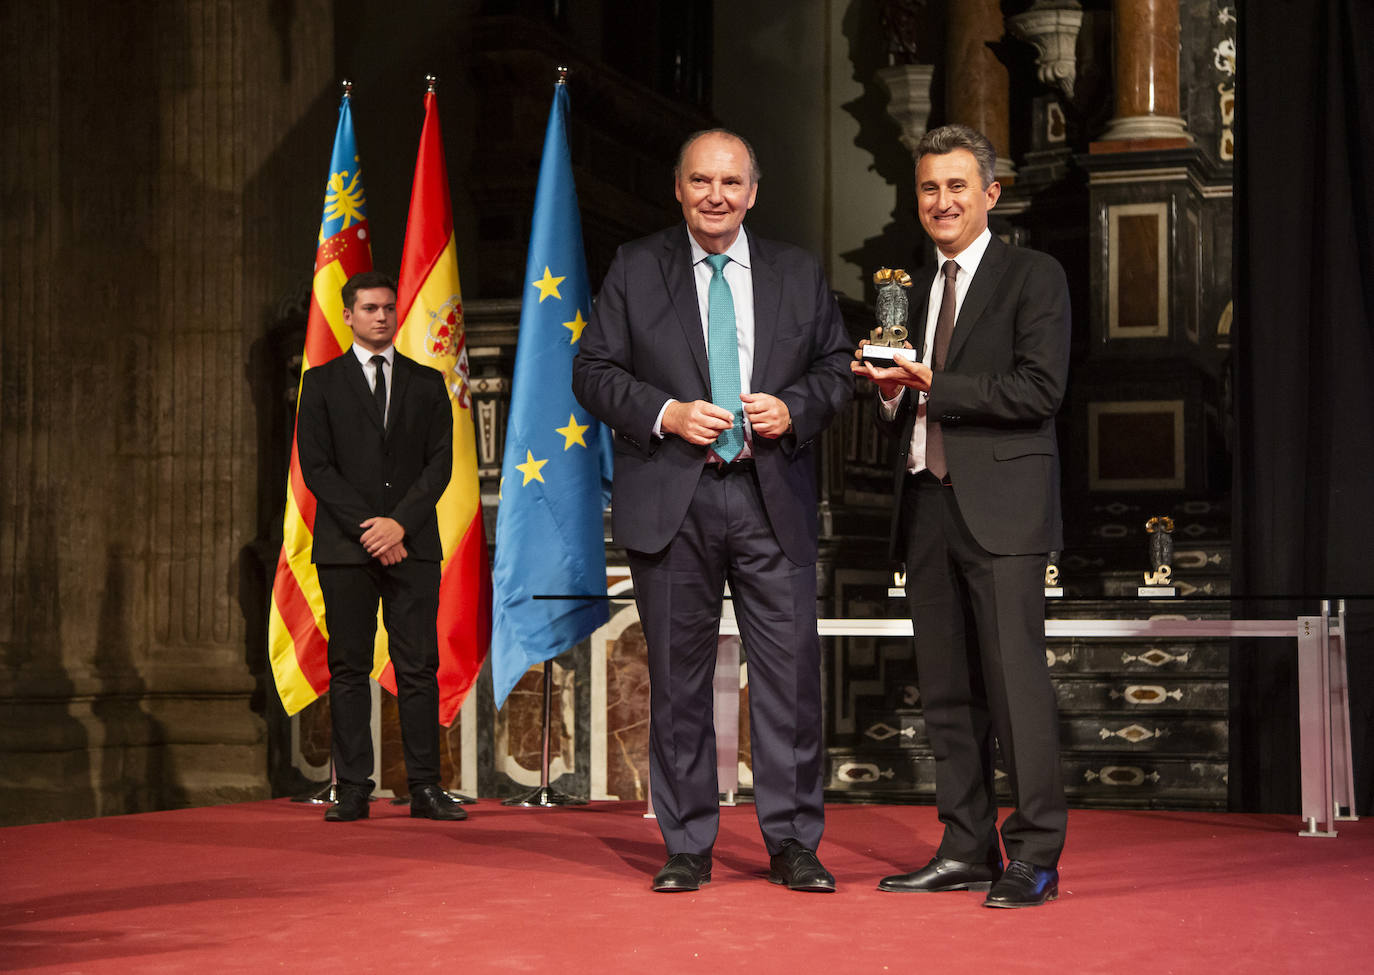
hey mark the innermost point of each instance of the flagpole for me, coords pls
(555, 456)
(429, 270)
(327, 794)
(546, 795)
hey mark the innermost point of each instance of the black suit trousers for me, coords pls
(409, 594)
(980, 661)
(726, 537)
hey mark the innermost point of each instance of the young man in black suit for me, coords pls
(718, 358)
(977, 489)
(375, 438)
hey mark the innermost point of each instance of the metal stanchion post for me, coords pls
(1342, 758)
(545, 795)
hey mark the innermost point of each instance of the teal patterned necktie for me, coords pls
(723, 355)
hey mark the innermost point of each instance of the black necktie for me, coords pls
(379, 388)
(944, 328)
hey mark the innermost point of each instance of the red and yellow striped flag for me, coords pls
(296, 637)
(429, 304)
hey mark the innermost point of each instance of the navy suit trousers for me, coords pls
(726, 537)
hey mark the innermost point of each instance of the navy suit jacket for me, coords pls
(358, 470)
(645, 344)
(996, 399)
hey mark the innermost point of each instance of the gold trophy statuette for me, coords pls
(888, 340)
(1052, 586)
(1160, 529)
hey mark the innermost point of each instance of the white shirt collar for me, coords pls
(737, 252)
(364, 356)
(971, 256)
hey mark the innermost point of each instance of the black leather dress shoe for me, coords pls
(942, 874)
(800, 869)
(683, 871)
(351, 804)
(432, 802)
(1024, 885)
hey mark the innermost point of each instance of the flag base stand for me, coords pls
(545, 795)
(457, 797)
(324, 795)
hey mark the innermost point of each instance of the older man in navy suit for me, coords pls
(977, 488)
(718, 358)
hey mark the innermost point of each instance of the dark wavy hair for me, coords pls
(948, 138)
(363, 280)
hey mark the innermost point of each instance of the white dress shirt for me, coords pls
(741, 281)
(370, 371)
(967, 261)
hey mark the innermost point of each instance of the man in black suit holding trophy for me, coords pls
(976, 474)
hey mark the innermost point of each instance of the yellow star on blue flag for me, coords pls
(572, 433)
(576, 326)
(531, 468)
(548, 285)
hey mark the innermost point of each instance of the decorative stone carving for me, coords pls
(908, 90)
(1224, 60)
(1052, 27)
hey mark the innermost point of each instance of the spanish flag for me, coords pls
(429, 304)
(296, 637)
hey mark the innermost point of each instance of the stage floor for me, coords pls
(270, 885)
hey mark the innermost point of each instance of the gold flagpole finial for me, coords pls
(431, 81)
(562, 74)
(347, 87)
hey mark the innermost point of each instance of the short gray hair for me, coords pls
(754, 172)
(949, 138)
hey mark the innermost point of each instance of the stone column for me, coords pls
(1147, 99)
(908, 90)
(137, 283)
(977, 88)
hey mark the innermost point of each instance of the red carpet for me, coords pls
(269, 885)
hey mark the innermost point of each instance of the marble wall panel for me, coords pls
(627, 716)
(1136, 445)
(1138, 275)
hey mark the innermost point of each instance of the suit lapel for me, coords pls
(767, 297)
(682, 290)
(357, 381)
(916, 323)
(980, 292)
(400, 379)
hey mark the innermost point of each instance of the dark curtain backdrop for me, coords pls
(1303, 369)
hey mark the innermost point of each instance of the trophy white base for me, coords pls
(1054, 592)
(886, 355)
(1154, 592)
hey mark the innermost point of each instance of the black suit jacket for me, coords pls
(996, 399)
(645, 345)
(358, 470)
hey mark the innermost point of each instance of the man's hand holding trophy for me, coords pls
(887, 356)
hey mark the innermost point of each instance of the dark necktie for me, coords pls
(379, 388)
(944, 328)
(722, 354)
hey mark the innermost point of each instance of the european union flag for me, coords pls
(557, 466)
